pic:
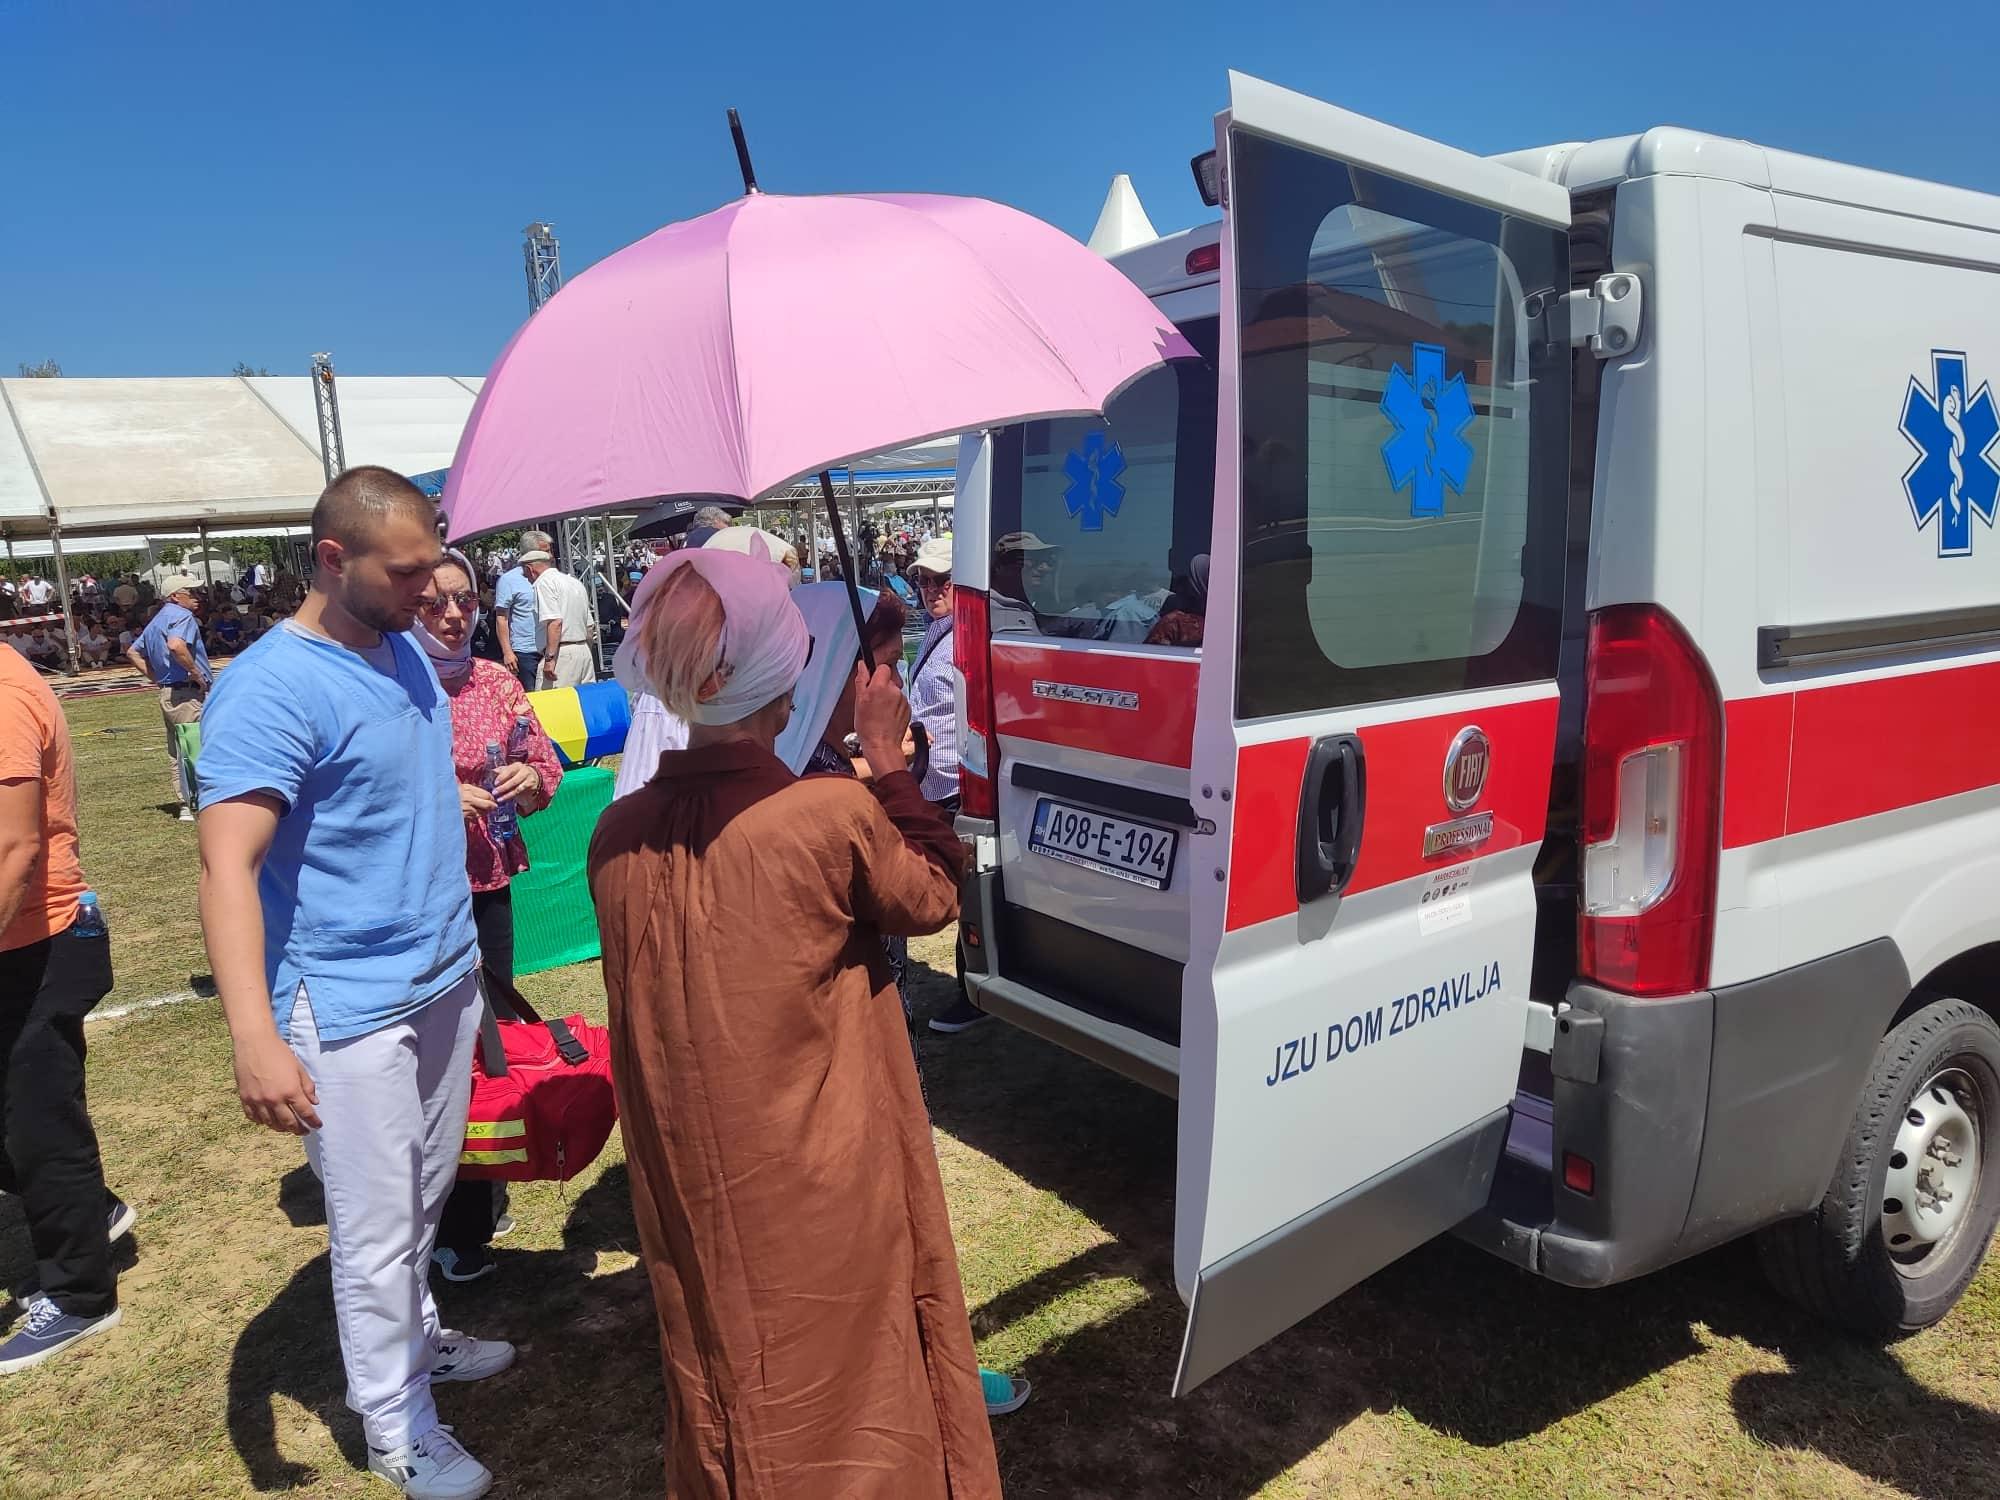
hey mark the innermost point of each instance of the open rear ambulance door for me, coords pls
(1377, 708)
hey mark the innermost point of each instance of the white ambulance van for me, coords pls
(1510, 738)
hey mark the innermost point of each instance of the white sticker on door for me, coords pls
(1446, 899)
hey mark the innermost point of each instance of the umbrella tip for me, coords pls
(742, 152)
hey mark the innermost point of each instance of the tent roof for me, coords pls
(150, 455)
(141, 456)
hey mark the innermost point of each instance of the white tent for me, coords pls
(110, 464)
(144, 456)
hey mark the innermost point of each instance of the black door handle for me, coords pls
(1332, 803)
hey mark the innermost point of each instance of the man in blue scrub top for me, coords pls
(339, 927)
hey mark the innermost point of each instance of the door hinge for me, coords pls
(1606, 316)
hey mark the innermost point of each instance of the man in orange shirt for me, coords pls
(55, 964)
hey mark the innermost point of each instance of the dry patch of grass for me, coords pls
(1448, 1374)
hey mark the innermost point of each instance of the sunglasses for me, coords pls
(930, 583)
(465, 599)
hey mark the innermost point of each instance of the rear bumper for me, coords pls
(1703, 1116)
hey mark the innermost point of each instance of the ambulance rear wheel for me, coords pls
(1914, 1200)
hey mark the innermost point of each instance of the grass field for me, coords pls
(1448, 1374)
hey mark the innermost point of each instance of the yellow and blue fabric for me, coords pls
(583, 722)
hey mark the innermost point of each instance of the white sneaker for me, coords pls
(434, 1467)
(459, 1357)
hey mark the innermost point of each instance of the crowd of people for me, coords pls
(111, 613)
(355, 886)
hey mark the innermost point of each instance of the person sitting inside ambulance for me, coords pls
(1185, 614)
(1025, 570)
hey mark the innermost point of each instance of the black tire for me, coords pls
(1833, 1261)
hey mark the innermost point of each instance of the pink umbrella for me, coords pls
(735, 353)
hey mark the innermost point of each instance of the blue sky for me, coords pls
(188, 184)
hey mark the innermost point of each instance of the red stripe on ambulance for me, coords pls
(1756, 765)
(1160, 729)
(1405, 762)
(1821, 756)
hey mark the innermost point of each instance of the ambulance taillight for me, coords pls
(979, 755)
(1652, 805)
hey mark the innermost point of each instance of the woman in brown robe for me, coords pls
(793, 1222)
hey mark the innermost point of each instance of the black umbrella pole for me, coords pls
(742, 152)
(846, 569)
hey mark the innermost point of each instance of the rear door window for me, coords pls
(1405, 439)
(1101, 526)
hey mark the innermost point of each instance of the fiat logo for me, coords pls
(1465, 766)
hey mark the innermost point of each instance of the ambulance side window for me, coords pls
(1405, 476)
(1101, 527)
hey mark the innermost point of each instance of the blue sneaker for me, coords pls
(1004, 1394)
(464, 1265)
(47, 1332)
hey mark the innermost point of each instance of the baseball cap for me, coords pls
(178, 583)
(934, 556)
(535, 554)
(1024, 541)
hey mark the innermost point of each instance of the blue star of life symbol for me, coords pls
(1430, 415)
(1955, 473)
(1094, 492)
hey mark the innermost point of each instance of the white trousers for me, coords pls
(575, 665)
(392, 1123)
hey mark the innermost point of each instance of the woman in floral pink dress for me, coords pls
(486, 699)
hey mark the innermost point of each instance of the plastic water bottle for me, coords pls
(519, 737)
(90, 921)
(503, 823)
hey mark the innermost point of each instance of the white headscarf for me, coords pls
(451, 664)
(764, 640)
(746, 538)
(835, 648)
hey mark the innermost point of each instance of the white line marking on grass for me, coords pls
(119, 1012)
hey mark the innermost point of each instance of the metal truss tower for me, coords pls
(326, 403)
(544, 262)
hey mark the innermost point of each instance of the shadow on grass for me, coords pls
(1463, 1343)
(588, 1362)
(1857, 1405)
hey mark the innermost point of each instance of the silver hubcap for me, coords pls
(1933, 1166)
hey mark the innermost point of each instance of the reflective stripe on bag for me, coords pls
(491, 1158)
(495, 1130)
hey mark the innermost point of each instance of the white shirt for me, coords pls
(934, 704)
(654, 731)
(560, 597)
(38, 591)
